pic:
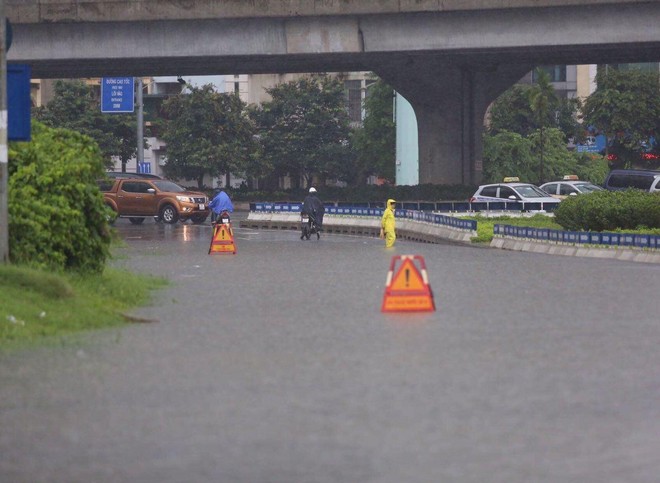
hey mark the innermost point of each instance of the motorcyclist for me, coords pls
(220, 203)
(313, 206)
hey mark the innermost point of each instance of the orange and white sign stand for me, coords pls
(408, 289)
(223, 239)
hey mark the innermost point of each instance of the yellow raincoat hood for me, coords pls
(390, 203)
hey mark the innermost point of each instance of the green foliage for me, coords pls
(35, 304)
(510, 154)
(375, 142)
(625, 108)
(57, 217)
(610, 210)
(207, 133)
(513, 111)
(486, 225)
(553, 160)
(304, 130)
(591, 167)
(76, 106)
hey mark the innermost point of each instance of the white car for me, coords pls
(522, 192)
(562, 189)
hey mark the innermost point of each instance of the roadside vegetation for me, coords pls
(630, 211)
(57, 281)
(38, 306)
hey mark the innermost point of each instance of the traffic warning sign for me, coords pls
(408, 290)
(223, 239)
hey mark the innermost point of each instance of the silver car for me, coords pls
(562, 189)
(522, 192)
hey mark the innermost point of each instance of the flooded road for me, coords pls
(276, 365)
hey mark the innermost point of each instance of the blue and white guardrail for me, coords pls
(438, 206)
(579, 237)
(421, 216)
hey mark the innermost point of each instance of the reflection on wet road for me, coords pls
(276, 365)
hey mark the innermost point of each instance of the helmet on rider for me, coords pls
(312, 190)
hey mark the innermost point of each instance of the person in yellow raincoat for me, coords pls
(387, 224)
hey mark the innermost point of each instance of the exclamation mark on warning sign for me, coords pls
(407, 277)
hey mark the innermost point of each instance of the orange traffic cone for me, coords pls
(408, 290)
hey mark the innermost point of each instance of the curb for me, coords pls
(349, 225)
(628, 254)
(430, 233)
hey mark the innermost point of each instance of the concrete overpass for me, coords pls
(449, 58)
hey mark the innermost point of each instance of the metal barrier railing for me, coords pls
(579, 237)
(439, 206)
(433, 218)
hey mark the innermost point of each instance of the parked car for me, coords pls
(138, 198)
(513, 191)
(569, 187)
(655, 187)
(621, 179)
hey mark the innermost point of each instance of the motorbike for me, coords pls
(223, 219)
(308, 226)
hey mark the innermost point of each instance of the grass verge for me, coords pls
(486, 225)
(35, 305)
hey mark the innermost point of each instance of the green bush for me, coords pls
(610, 210)
(57, 218)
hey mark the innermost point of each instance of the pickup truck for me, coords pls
(138, 198)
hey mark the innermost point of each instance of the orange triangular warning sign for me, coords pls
(408, 290)
(223, 239)
(407, 278)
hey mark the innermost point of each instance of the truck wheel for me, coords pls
(169, 214)
(136, 221)
(198, 219)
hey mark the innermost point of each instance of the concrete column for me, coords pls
(450, 102)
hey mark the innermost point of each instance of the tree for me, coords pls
(304, 130)
(625, 108)
(510, 154)
(76, 106)
(375, 142)
(512, 112)
(206, 133)
(542, 100)
(507, 154)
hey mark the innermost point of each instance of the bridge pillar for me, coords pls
(450, 102)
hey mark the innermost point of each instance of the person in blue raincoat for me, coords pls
(220, 203)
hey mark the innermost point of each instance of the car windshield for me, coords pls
(531, 191)
(587, 187)
(168, 186)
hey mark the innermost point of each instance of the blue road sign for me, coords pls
(18, 102)
(117, 94)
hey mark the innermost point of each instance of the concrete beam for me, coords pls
(612, 33)
(36, 11)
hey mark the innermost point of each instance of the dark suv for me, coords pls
(621, 179)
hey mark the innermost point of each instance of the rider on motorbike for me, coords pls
(313, 206)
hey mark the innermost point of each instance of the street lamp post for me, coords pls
(140, 125)
(4, 170)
